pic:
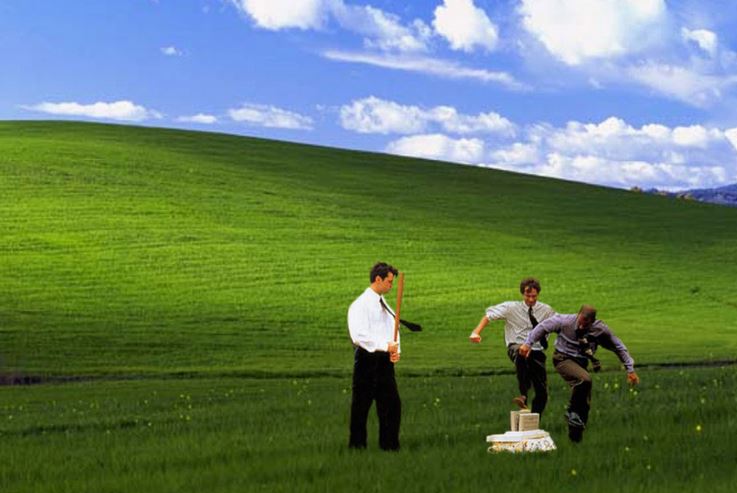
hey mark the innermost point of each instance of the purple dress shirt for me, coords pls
(567, 343)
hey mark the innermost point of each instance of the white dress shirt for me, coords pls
(370, 325)
(517, 319)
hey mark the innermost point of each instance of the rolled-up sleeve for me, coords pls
(498, 312)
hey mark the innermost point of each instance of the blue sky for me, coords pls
(621, 93)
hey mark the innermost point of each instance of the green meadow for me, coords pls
(179, 299)
(674, 433)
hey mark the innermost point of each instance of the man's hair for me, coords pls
(382, 270)
(529, 283)
(588, 312)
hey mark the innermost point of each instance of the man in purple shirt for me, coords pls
(579, 335)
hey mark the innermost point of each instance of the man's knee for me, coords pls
(585, 381)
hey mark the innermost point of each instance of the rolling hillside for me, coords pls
(142, 251)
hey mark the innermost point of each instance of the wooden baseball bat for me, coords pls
(400, 292)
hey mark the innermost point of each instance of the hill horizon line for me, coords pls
(322, 146)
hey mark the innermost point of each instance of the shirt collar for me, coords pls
(373, 293)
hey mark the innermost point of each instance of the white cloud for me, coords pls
(657, 132)
(614, 137)
(285, 14)
(374, 115)
(693, 136)
(465, 26)
(706, 40)
(615, 153)
(517, 153)
(382, 30)
(626, 174)
(682, 83)
(118, 110)
(731, 135)
(171, 51)
(631, 43)
(611, 152)
(578, 30)
(454, 122)
(198, 118)
(439, 147)
(270, 116)
(432, 66)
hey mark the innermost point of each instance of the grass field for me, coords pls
(673, 434)
(136, 251)
(158, 268)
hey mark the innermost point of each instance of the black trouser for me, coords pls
(573, 371)
(373, 379)
(531, 374)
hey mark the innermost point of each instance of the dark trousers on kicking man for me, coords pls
(373, 379)
(531, 374)
(574, 372)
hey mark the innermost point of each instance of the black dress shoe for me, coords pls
(575, 426)
(575, 433)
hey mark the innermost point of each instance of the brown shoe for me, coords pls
(520, 400)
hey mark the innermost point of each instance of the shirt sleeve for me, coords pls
(498, 312)
(613, 343)
(358, 327)
(544, 328)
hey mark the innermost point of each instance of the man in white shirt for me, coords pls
(371, 326)
(520, 318)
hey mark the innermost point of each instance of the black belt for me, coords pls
(375, 354)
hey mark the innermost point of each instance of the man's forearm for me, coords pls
(535, 335)
(483, 323)
(543, 328)
(623, 353)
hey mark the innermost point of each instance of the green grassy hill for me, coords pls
(129, 250)
(136, 252)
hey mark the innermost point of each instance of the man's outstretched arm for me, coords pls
(543, 328)
(476, 334)
(615, 344)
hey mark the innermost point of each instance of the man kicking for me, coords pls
(579, 335)
(520, 318)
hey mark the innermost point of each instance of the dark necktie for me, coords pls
(584, 342)
(534, 322)
(411, 326)
(383, 305)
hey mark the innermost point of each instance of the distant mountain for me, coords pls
(726, 195)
